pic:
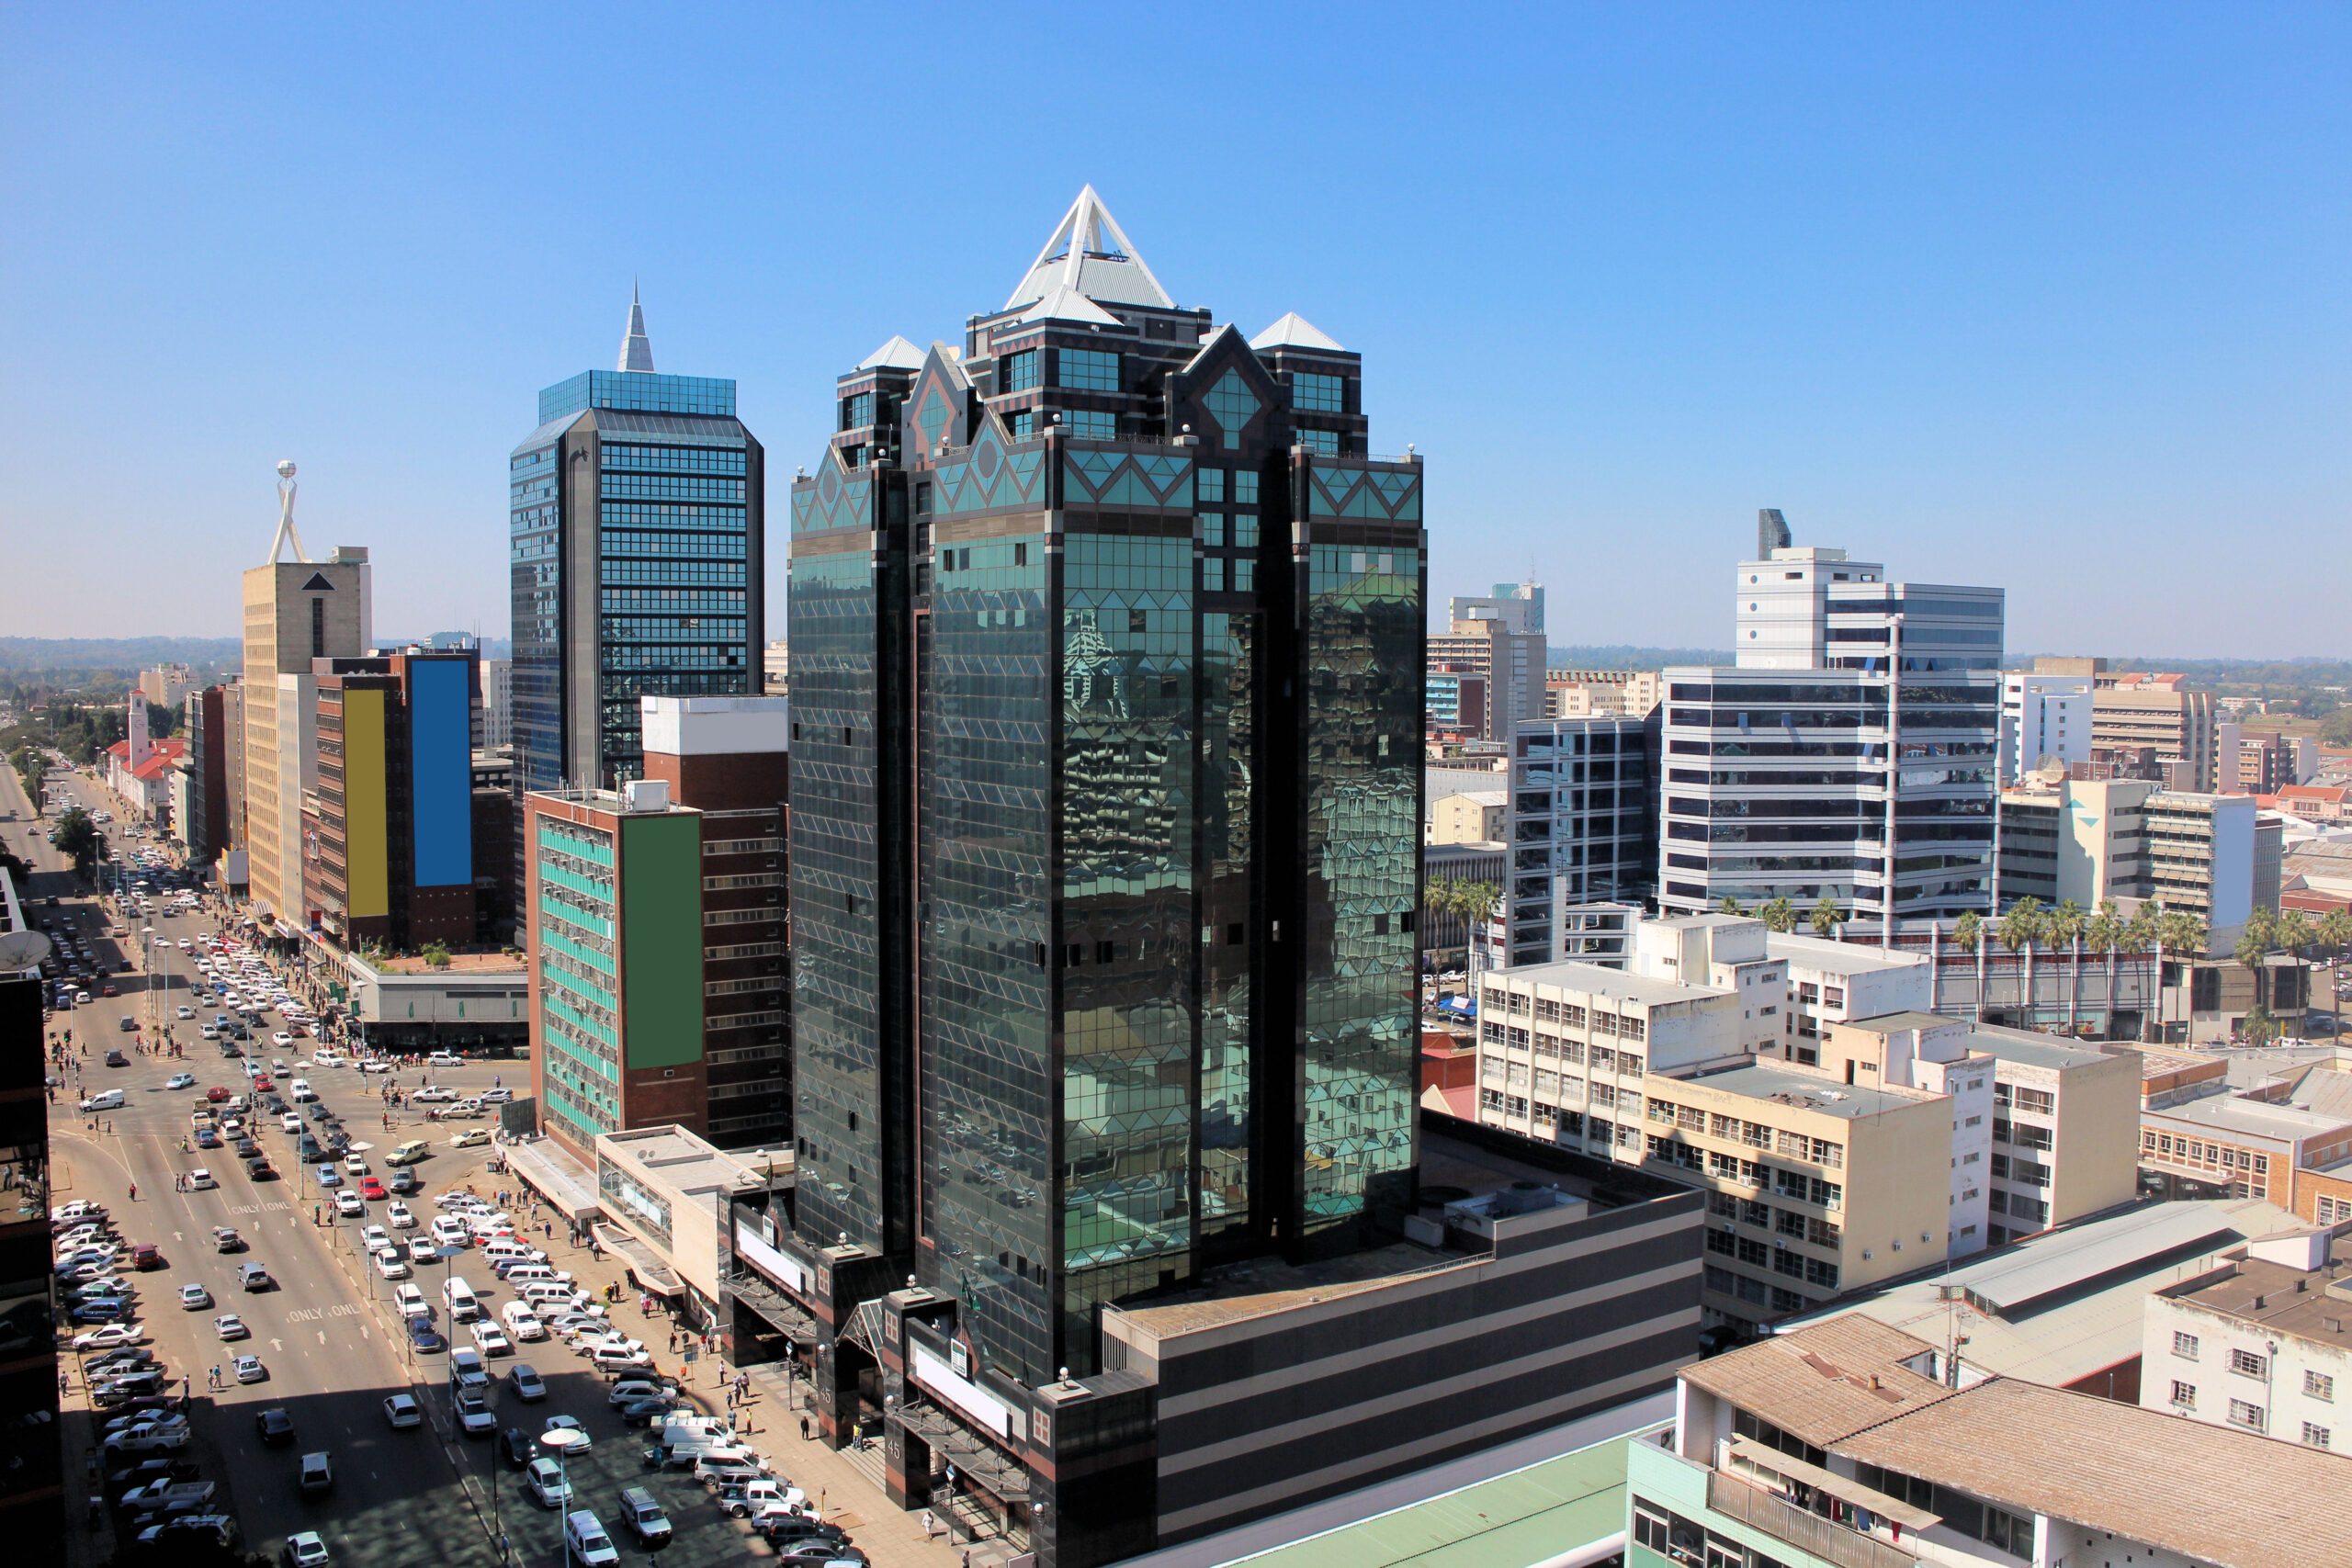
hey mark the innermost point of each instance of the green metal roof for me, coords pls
(1526, 1516)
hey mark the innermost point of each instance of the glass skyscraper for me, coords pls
(1106, 659)
(636, 521)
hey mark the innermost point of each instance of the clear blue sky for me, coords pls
(2049, 296)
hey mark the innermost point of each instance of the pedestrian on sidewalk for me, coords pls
(804, 1428)
(930, 1525)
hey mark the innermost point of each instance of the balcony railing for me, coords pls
(1807, 1531)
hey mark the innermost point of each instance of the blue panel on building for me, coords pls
(441, 769)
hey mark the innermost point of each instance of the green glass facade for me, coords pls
(1157, 668)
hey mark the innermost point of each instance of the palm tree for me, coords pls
(1968, 931)
(1779, 915)
(2335, 932)
(2066, 923)
(2103, 934)
(1826, 917)
(1727, 905)
(1478, 907)
(2254, 946)
(2022, 925)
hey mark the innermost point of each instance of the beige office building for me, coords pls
(296, 612)
(2134, 710)
(1475, 817)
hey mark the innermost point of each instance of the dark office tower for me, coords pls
(1107, 642)
(636, 521)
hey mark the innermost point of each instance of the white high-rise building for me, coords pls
(1849, 754)
(2042, 715)
(497, 705)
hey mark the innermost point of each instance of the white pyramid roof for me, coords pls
(895, 355)
(1066, 304)
(1091, 255)
(636, 353)
(1295, 332)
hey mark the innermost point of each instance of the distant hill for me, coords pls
(132, 653)
(1622, 656)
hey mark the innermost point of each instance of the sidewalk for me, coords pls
(851, 1491)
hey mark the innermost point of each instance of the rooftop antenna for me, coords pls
(286, 529)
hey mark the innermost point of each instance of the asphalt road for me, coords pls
(323, 1332)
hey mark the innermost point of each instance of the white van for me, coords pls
(504, 1251)
(412, 1303)
(537, 1290)
(584, 1540)
(537, 1274)
(520, 1321)
(464, 1305)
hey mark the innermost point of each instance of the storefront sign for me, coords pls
(767, 1259)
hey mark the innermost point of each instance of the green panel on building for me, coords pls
(661, 940)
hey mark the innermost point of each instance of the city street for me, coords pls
(325, 1330)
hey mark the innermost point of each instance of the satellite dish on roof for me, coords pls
(22, 950)
(2050, 769)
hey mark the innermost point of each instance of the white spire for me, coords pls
(1090, 255)
(637, 354)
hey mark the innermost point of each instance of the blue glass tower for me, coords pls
(1107, 650)
(636, 520)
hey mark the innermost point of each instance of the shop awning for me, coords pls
(567, 1186)
(644, 1264)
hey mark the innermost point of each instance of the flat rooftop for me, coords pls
(673, 1157)
(1595, 980)
(2280, 1299)
(1892, 1023)
(1810, 1091)
(1837, 957)
(2034, 1050)
(1257, 1286)
(2250, 1118)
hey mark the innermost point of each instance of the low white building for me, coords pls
(2259, 1342)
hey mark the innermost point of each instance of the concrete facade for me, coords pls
(295, 611)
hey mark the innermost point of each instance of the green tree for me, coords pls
(2066, 923)
(1968, 933)
(1826, 918)
(2335, 729)
(78, 839)
(1727, 905)
(2335, 933)
(2103, 932)
(2022, 924)
(1778, 915)
(435, 955)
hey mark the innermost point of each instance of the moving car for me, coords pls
(229, 1326)
(318, 1473)
(253, 1276)
(181, 1080)
(275, 1425)
(402, 1411)
(249, 1368)
(304, 1550)
(526, 1382)
(193, 1295)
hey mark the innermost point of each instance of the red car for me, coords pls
(262, 1084)
(371, 1189)
(216, 1094)
(107, 989)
